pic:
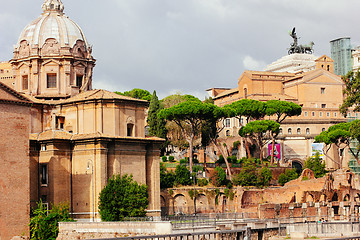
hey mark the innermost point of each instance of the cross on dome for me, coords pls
(53, 6)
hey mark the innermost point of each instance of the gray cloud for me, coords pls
(188, 45)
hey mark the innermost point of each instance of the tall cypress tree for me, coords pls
(157, 126)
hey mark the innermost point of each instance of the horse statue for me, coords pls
(295, 48)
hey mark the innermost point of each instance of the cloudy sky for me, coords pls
(188, 46)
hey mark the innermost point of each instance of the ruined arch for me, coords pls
(180, 204)
(164, 206)
(322, 198)
(346, 198)
(298, 165)
(309, 198)
(202, 203)
(335, 198)
(357, 197)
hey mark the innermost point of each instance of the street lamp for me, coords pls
(90, 164)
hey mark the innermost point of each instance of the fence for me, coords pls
(346, 238)
(217, 235)
(323, 228)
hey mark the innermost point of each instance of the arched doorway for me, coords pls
(297, 165)
(164, 208)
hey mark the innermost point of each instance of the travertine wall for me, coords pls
(14, 171)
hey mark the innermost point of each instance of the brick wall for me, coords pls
(14, 171)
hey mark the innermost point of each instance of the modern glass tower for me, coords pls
(341, 54)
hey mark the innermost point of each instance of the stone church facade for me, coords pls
(76, 137)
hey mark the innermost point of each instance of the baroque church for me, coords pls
(76, 137)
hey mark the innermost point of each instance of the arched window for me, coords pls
(308, 131)
(245, 92)
(280, 131)
(228, 133)
(130, 130)
(323, 129)
(227, 122)
(289, 131)
(298, 131)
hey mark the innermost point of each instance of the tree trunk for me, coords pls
(247, 148)
(261, 156)
(225, 158)
(191, 155)
(272, 152)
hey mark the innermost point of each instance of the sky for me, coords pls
(188, 46)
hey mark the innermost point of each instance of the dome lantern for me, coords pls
(53, 6)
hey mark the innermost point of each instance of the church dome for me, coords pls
(52, 28)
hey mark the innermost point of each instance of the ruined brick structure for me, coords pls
(14, 171)
(332, 197)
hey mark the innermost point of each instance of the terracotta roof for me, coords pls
(312, 74)
(20, 98)
(99, 94)
(96, 94)
(285, 74)
(51, 134)
(227, 92)
(276, 96)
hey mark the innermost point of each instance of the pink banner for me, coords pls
(277, 151)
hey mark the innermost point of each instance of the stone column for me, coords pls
(153, 178)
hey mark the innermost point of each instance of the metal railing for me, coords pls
(345, 238)
(216, 235)
(323, 228)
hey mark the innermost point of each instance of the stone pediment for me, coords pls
(324, 58)
(51, 61)
(319, 76)
(8, 94)
(79, 64)
(22, 64)
(322, 77)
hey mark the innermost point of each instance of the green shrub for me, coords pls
(229, 193)
(44, 224)
(184, 161)
(182, 176)
(264, 177)
(221, 159)
(192, 193)
(164, 158)
(218, 177)
(250, 175)
(123, 197)
(202, 182)
(236, 144)
(198, 169)
(247, 176)
(282, 179)
(315, 164)
(232, 159)
(290, 174)
(171, 159)
(167, 179)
